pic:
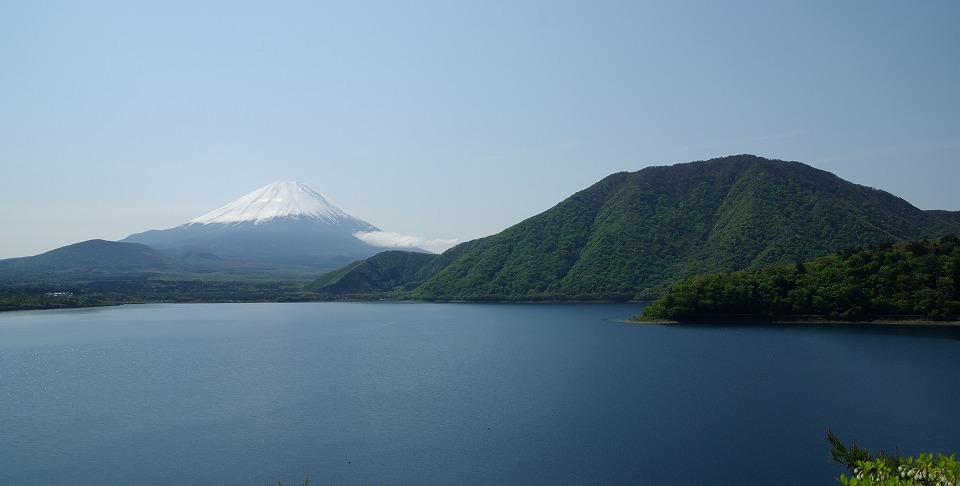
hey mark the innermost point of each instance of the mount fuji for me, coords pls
(280, 227)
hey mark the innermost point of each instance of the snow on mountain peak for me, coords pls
(291, 200)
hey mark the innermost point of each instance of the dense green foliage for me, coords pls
(20, 300)
(921, 278)
(631, 235)
(885, 470)
(381, 273)
(389, 274)
(530, 260)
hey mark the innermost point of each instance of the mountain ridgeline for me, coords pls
(632, 235)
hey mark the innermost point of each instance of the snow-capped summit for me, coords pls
(281, 227)
(293, 200)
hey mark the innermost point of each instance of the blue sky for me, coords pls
(451, 119)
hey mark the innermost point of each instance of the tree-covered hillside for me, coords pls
(920, 278)
(530, 260)
(631, 235)
(381, 273)
(389, 274)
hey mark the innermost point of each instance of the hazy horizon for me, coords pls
(442, 121)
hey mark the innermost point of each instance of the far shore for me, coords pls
(721, 320)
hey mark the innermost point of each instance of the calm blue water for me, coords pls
(415, 393)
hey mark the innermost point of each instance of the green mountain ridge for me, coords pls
(632, 234)
(389, 273)
(382, 273)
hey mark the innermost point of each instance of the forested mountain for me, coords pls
(387, 274)
(631, 235)
(920, 278)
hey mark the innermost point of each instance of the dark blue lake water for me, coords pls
(415, 393)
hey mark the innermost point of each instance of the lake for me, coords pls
(419, 393)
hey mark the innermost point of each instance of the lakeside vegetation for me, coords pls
(868, 469)
(116, 291)
(919, 280)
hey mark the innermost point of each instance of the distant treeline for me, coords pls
(920, 278)
(59, 295)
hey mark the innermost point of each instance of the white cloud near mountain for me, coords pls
(396, 240)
